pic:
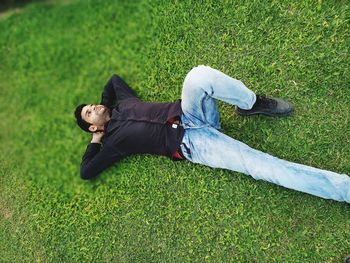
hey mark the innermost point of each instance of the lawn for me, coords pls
(57, 54)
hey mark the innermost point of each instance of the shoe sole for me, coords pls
(267, 114)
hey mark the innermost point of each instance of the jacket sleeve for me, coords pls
(96, 160)
(115, 90)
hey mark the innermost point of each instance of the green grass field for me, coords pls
(55, 55)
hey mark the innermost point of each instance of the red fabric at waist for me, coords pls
(175, 120)
(177, 155)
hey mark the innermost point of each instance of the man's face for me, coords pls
(97, 115)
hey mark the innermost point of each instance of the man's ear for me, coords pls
(92, 128)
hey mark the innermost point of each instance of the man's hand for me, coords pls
(97, 136)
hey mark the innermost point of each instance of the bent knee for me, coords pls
(200, 70)
(196, 77)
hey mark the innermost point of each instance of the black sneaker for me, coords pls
(347, 259)
(269, 106)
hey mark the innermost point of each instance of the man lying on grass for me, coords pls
(189, 129)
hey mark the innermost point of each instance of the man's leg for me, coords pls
(202, 85)
(210, 147)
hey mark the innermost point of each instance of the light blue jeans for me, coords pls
(203, 143)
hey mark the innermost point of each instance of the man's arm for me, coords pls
(115, 90)
(96, 160)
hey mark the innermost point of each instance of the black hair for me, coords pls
(81, 123)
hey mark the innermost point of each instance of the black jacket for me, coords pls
(136, 127)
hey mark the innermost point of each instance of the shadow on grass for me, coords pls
(8, 5)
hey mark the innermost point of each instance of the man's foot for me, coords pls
(269, 106)
(347, 259)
